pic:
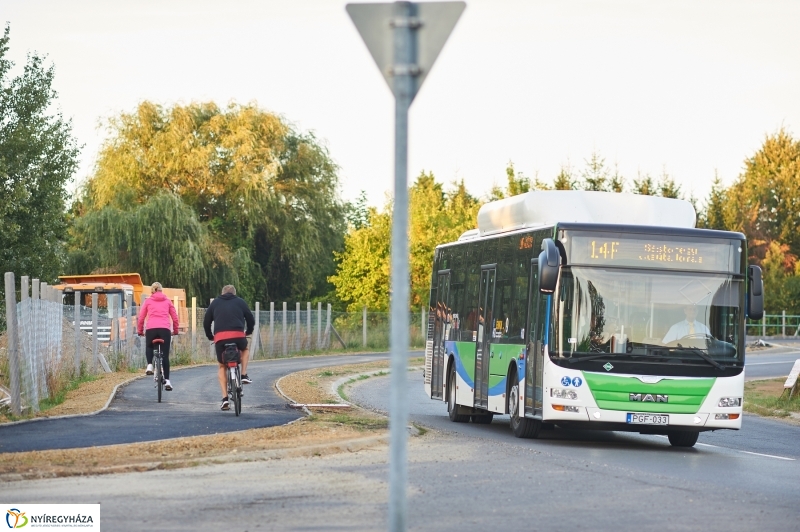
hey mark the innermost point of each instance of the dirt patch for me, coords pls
(322, 433)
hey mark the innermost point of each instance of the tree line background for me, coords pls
(198, 196)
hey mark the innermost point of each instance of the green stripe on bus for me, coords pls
(612, 392)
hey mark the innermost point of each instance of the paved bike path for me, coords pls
(191, 409)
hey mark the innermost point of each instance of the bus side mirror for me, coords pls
(755, 294)
(549, 260)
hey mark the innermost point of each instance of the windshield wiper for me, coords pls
(604, 355)
(699, 352)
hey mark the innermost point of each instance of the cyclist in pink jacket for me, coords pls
(161, 318)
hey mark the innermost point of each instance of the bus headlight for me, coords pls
(561, 393)
(729, 402)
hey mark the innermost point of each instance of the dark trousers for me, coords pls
(164, 334)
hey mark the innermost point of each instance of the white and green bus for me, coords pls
(592, 310)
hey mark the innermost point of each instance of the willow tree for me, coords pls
(264, 194)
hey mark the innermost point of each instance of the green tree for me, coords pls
(357, 213)
(714, 214)
(564, 180)
(763, 201)
(667, 188)
(595, 175)
(38, 155)
(258, 186)
(436, 216)
(644, 185)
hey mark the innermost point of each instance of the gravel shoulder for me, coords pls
(323, 432)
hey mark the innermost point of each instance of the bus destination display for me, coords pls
(621, 250)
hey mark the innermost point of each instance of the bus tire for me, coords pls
(452, 406)
(521, 426)
(683, 439)
(483, 419)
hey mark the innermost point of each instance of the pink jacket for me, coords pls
(158, 310)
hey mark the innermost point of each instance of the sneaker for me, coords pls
(225, 404)
(246, 379)
(149, 370)
(167, 385)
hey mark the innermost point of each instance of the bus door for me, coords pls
(441, 325)
(485, 330)
(537, 316)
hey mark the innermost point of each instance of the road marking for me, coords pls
(740, 451)
(767, 455)
(767, 363)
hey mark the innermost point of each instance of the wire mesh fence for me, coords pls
(55, 343)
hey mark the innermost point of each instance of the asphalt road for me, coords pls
(774, 362)
(191, 409)
(755, 469)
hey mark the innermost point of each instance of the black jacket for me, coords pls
(229, 313)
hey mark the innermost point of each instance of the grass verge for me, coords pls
(768, 398)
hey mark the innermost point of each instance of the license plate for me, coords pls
(648, 419)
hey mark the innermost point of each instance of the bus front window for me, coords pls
(637, 313)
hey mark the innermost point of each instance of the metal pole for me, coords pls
(13, 351)
(404, 54)
(94, 331)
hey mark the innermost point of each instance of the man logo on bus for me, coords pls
(648, 398)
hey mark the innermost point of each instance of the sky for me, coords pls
(686, 87)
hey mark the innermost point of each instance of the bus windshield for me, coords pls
(683, 318)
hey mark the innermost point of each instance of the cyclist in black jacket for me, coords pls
(233, 323)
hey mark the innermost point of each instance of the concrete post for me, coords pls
(285, 314)
(94, 331)
(297, 326)
(308, 325)
(194, 326)
(364, 326)
(77, 329)
(319, 324)
(328, 324)
(271, 328)
(13, 345)
(256, 333)
(783, 324)
(129, 327)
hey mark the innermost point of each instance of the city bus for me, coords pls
(592, 310)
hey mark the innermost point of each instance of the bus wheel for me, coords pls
(521, 426)
(683, 439)
(452, 406)
(483, 419)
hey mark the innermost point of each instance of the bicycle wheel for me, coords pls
(159, 380)
(237, 393)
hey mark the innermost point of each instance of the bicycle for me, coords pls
(232, 360)
(158, 370)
